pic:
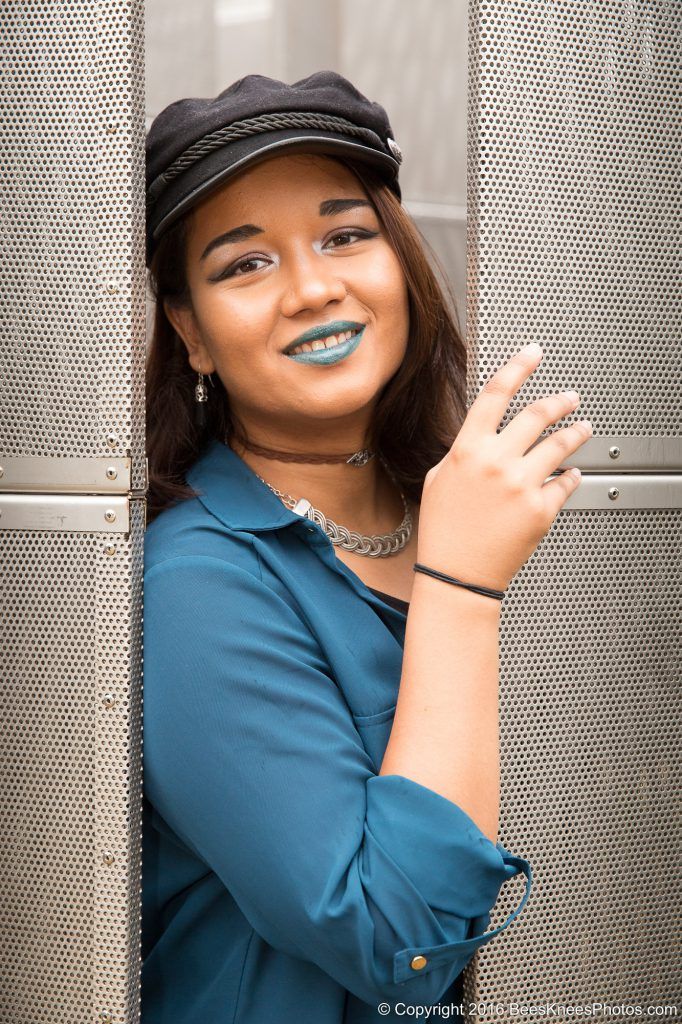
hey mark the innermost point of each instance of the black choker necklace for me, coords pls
(359, 458)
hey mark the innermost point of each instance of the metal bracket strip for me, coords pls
(67, 474)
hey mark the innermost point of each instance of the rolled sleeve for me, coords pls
(453, 865)
(251, 756)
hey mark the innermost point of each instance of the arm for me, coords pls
(252, 758)
(445, 732)
(485, 507)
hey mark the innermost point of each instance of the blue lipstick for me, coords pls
(325, 356)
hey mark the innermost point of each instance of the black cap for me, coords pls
(195, 144)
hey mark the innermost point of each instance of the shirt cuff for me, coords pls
(450, 861)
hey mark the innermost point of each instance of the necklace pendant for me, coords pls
(302, 508)
(360, 458)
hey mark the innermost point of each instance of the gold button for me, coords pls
(417, 962)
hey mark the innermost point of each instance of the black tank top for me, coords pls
(395, 602)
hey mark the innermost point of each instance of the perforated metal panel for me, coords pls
(72, 272)
(574, 241)
(72, 479)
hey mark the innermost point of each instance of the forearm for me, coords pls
(445, 732)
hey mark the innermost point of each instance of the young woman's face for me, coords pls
(304, 250)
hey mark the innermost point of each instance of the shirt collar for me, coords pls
(232, 491)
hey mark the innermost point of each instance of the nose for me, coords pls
(312, 282)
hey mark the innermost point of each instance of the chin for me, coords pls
(331, 402)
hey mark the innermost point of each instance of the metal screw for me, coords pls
(112, 440)
(613, 493)
(2, 472)
(110, 515)
(112, 473)
(614, 451)
(105, 1017)
(109, 701)
(108, 858)
(110, 549)
(112, 287)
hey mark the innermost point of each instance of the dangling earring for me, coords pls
(200, 399)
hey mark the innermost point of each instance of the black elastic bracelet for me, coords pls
(486, 591)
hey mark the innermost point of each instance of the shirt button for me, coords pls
(417, 962)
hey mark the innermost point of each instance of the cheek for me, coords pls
(238, 329)
(384, 281)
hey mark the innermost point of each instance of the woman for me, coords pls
(321, 767)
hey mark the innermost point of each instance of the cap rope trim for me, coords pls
(252, 126)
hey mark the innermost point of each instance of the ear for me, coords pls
(185, 325)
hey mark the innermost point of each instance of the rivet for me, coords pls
(112, 472)
(614, 451)
(109, 700)
(110, 549)
(110, 515)
(112, 440)
(112, 287)
(395, 149)
(108, 858)
(613, 493)
(417, 962)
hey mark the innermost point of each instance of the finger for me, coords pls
(523, 432)
(546, 457)
(557, 490)
(493, 400)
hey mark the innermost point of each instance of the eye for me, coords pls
(350, 233)
(240, 268)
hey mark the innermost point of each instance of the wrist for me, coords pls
(486, 583)
(459, 599)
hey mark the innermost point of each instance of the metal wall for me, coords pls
(72, 476)
(574, 239)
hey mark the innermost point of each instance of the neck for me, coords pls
(361, 498)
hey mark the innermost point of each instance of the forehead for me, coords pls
(275, 183)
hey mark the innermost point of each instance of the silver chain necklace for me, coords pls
(374, 546)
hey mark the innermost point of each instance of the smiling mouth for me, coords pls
(331, 341)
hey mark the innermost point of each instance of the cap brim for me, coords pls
(211, 172)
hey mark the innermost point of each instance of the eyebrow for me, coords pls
(327, 209)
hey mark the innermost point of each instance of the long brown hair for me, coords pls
(417, 415)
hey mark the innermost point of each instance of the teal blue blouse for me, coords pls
(285, 879)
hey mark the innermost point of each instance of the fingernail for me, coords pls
(533, 349)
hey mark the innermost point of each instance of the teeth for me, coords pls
(337, 339)
(329, 342)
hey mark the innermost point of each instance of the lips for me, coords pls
(331, 341)
(331, 353)
(332, 331)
